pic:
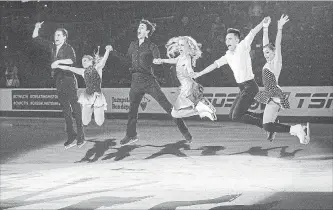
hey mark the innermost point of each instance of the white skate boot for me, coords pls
(206, 110)
(302, 132)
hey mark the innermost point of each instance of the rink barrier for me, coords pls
(313, 102)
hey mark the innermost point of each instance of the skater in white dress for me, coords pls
(190, 100)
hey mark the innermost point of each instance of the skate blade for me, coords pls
(307, 137)
(214, 117)
(81, 145)
(208, 115)
(70, 146)
(188, 141)
(130, 142)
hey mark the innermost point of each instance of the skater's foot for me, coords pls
(188, 137)
(80, 144)
(307, 133)
(271, 135)
(70, 142)
(302, 132)
(206, 109)
(128, 140)
(211, 116)
(80, 141)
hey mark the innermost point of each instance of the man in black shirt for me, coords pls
(142, 52)
(66, 83)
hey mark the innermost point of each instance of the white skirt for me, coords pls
(182, 100)
(96, 100)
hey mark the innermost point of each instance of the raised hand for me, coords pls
(282, 21)
(266, 22)
(109, 48)
(38, 25)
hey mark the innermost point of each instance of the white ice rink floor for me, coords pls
(228, 166)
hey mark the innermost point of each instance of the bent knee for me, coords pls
(268, 127)
(99, 116)
(86, 121)
(99, 122)
(99, 119)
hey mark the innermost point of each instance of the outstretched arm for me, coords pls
(169, 61)
(67, 61)
(217, 64)
(35, 35)
(249, 38)
(71, 58)
(258, 27)
(265, 39)
(79, 71)
(100, 65)
(38, 25)
(284, 19)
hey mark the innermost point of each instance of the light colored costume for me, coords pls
(184, 71)
(92, 95)
(189, 95)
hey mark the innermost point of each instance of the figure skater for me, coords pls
(66, 83)
(141, 53)
(184, 51)
(92, 99)
(239, 60)
(272, 94)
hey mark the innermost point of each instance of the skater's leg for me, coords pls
(182, 113)
(87, 111)
(99, 115)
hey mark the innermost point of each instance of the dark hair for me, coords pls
(150, 26)
(234, 31)
(270, 46)
(64, 32)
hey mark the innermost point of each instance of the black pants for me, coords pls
(276, 127)
(67, 95)
(239, 109)
(142, 84)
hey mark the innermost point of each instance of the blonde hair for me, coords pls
(194, 47)
(95, 59)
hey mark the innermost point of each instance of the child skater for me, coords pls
(92, 99)
(184, 51)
